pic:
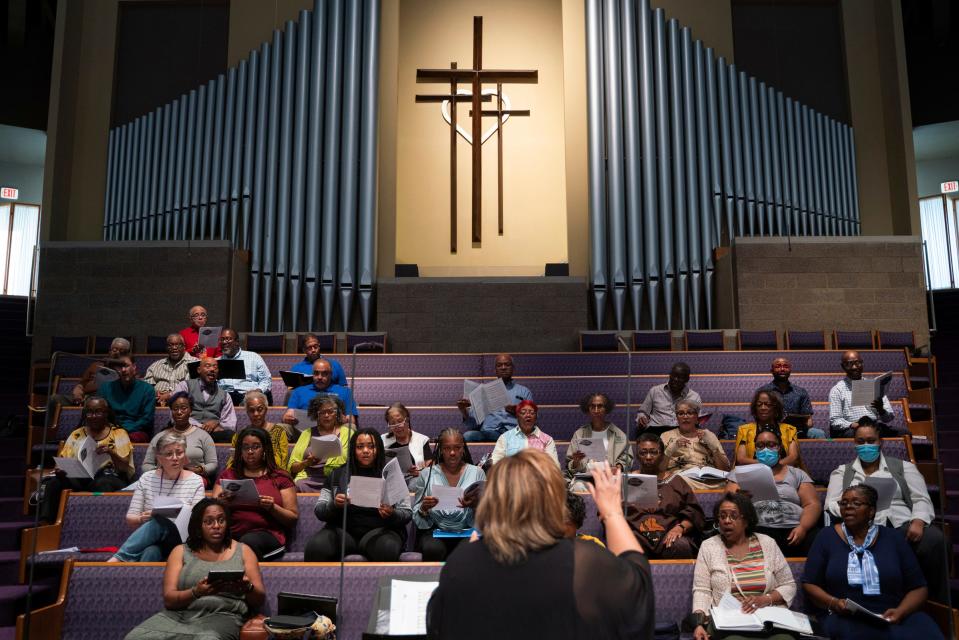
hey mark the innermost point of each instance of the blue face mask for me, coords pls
(768, 457)
(867, 452)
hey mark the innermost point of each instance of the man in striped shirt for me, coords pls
(164, 374)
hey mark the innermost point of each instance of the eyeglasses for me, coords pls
(855, 504)
(198, 315)
(766, 445)
(686, 413)
(326, 412)
(209, 522)
(732, 516)
(395, 425)
(176, 453)
(251, 447)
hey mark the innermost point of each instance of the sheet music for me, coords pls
(166, 506)
(758, 480)
(402, 456)
(885, 487)
(89, 458)
(408, 602)
(210, 337)
(395, 490)
(867, 390)
(641, 490)
(468, 386)
(243, 490)
(594, 448)
(326, 447)
(487, 398)
(71, 466)
(449, 497)
(366, 492)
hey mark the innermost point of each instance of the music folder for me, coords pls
(228, 369)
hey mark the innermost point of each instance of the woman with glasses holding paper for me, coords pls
(865, 577)
(454, 522)
(200, 450)
(264, 505)
(400, 434)
(694, 454)
(596, 441)
(671, 528)
(768, 413)
(196, 603)
(160, 498)
(376, 501)
(792, 518)
(308, 470)
(105, 445)
(738, 567)
(525, 434)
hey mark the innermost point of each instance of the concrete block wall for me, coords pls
(136, 289)
(827, 283)
(481, 314)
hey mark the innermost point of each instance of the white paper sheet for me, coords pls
(326, 447)
(71, 466)
(408, 602)
(886, 487)
(403, 457)
(366, 492)
(758, 480)
(867, 390)
(641, 490)
(704, 473)
(243, 490)
(88, 456)
(468, 386)
(210, 336)
(449, 497)
(594, 448)
(395, 490)
(166, 506)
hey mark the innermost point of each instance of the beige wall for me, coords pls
(526, 35)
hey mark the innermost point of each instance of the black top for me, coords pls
(574, 589)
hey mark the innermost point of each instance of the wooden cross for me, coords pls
(476, 76)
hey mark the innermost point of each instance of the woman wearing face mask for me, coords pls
(400, 434)
(768, 412)
(525, 434)
(858, 561)
(793, 520)
(910, 510)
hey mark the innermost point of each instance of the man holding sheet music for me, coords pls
(212, 407)
(257, 373)
(322, 383)
(191, 335)
(89, 381)
(852, 398)
(489, 410)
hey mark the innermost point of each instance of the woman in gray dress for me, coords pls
(196, 607)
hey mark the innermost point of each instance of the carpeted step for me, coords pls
(13, 599)
(11, 485)
(951, 476)
(10, 535)
(9, 567)
(11, 508)
(948, 440)
(952, 502)
(8, 633)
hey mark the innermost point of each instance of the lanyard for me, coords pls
(170, 493)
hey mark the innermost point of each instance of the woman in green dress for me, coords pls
(197, 608)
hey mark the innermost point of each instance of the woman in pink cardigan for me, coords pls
(739, 561)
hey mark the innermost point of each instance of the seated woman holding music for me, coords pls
(310, 472)
(694, 454)
(441, 529)
(211, 583)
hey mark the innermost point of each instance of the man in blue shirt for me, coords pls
(133, 401)
(497, 422)
(322, 383)
(795, 398)
(257, 373)
(311, 347)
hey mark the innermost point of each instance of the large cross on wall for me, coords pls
(476, 77)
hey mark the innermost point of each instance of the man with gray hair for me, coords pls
(88, 385)
(165, 373)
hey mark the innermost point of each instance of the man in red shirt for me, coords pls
(191, 335)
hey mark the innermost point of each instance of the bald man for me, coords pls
(191, 335)
(213, 409)
(498, 422)
(844, 416)
(300, 397)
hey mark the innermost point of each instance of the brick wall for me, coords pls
(859, 283)
(136, 288)
(490, 314)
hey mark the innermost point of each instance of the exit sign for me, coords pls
(9, 193)
(949, 187)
